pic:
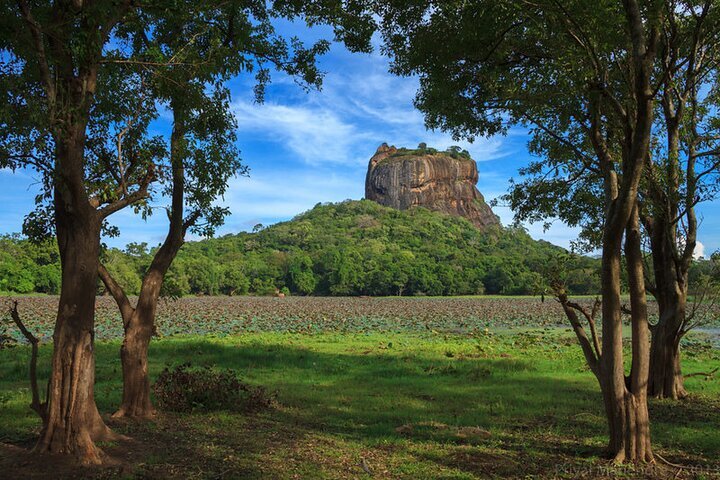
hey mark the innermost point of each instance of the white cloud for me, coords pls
(315, 135)
(359, 107)
(273, 195)
(699, 250)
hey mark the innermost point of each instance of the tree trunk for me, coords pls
(629, 424)
(139, 328)
(629, 434)
(637, 421)
(625, 398)
(134, 356)
(73, 422)
(666, 379)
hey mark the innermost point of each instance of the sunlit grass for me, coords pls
(412, 405)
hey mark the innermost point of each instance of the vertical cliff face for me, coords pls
(435, 180)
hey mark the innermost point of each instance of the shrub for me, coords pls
(187, 389)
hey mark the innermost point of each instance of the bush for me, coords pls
(188, 389)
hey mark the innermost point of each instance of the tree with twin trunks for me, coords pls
(582, 75)
(60, 69)
(682, 169)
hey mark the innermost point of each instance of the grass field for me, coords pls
(413, 404)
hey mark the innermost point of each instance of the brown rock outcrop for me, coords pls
(435, 180)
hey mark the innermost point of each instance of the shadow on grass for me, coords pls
(416, 413)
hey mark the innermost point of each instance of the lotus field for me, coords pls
(232, 315)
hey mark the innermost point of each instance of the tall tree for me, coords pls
(53, 54)
(583, 77)
(58, 115)
(681, 171)
(236, 39)
(202, 158)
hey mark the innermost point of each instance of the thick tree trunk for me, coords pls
(637, 421)
(612, 375)
(629, 424)
(73, 422)
(666, 379)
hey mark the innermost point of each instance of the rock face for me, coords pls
(437, 181)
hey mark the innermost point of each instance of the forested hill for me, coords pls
(361, 248)
(348, 248)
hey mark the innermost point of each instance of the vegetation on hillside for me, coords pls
(349, 248)
(422, 149)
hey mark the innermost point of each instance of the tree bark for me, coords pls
(139, 329)
(73, 422)
(136, 401)
(625, 399)
(624, 411)
(629, 429)
(666, 378)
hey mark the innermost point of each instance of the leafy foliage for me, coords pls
(27, 267)
(422, 149)
(350, 248)
(362, 248)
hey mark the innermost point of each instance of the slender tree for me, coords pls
(584, 78)
(234, 38)
(202, 158)
(682, 171)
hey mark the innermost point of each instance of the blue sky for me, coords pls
(304, 148)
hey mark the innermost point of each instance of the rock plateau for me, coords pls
(440, 181)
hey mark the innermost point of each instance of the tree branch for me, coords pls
(39, 408)
(190, 220)
(591, 356)
(137, 195)
(39, 47)
(117, 292)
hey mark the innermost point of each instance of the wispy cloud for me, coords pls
(273, 195)
(358, 108)
(314, 135)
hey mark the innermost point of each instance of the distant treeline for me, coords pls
(349, 248)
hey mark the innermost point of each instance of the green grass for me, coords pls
(510, 404)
